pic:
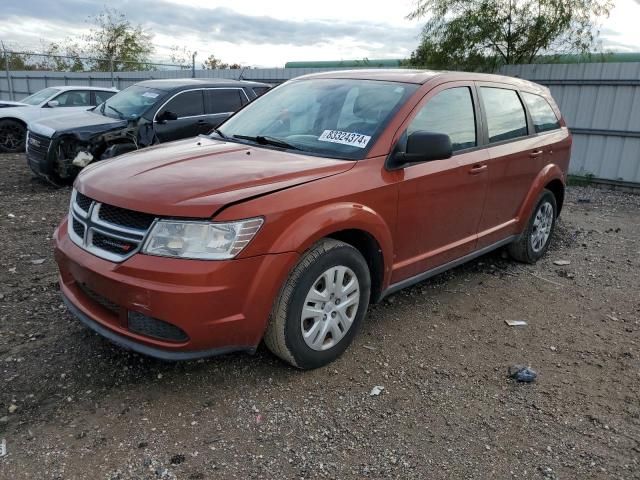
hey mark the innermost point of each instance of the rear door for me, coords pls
(189, 108)
(220, 103)
(515, 158)
(440, 202)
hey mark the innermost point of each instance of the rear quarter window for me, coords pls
(506, 118)
(260, 90)
(543, 116)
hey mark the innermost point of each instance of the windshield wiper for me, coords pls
(120, 114)
(266, 140)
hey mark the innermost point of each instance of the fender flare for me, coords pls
(548, 174)
(327, 220)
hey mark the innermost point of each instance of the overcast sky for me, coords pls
(259, 32)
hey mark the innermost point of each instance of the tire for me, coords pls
(13, 135)
(535, 240)
(305, 338)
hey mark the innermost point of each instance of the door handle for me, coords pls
(477, 169)
(202, 122)
(536, 153)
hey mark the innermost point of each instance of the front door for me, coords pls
(440, 202)
(188, 106)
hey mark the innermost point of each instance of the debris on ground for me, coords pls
(375, 391)
(515, 323)
(522, 373)
(561, 263)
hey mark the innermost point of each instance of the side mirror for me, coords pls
(424, 147)
(53, 103)
(166, 115)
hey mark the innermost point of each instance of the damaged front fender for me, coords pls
(74, 149)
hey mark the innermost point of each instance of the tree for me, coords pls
(483, 34)
(113, 37)
(212, 63)
(62, 57)
(180, 56)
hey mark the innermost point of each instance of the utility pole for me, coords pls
(193, 65)
(111, 70)
(6, 66)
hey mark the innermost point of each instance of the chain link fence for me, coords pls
(24, 73)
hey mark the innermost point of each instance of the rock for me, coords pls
(12, 408)
(561, 263)
(522, 373)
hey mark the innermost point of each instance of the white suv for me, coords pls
(15, 116)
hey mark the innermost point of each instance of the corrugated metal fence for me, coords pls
(601, 103)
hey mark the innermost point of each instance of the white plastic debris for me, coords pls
(82, 159)
(561, 263)
(375, 391)
(38, 261)
(11, 215)
(515, 323)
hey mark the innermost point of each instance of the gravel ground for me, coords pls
(72, 406)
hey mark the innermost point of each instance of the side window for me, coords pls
(544, 118)
(102, 97)
(450, 112)
(261, 90)
(224, 100)
(505, 114)
(186, 104)
(74, 98)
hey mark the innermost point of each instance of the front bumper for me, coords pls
(221, 306)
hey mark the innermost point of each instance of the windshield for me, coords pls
(39, 97)
(131, 102)
(338, 118)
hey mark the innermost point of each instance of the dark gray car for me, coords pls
(147, 113)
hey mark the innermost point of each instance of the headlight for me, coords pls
(201, 240)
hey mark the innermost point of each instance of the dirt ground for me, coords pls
(72, 406)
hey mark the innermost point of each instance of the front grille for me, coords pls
(152, 327)
(125, 218)
(78, 228)
(83, 201)
(38, 146)
(107, 231)
(99, 299)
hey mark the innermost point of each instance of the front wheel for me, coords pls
(535, 240)
(12, 136)
(320, 306)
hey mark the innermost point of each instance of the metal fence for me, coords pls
(601, 103)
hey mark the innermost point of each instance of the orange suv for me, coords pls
(328, 193)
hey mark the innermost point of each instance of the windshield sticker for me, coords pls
(150, 94)
(345, 138)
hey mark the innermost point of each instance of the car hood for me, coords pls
(84, 123)
(9, 104)
(199, 176)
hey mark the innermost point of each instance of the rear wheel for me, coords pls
(12, 136)
(321, 305)
(535, 240)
